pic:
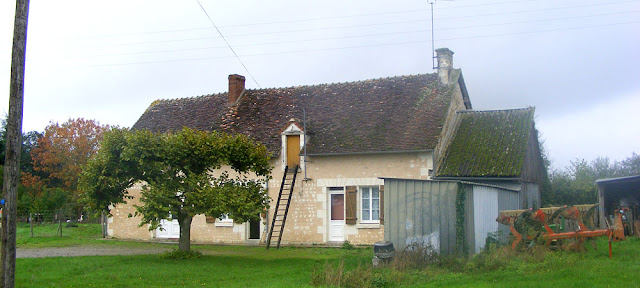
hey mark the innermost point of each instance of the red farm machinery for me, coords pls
(551, 226)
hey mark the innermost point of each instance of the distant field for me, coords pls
(239, 266)
(46, 235)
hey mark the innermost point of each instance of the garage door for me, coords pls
(170, 230)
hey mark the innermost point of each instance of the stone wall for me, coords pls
(307, 222)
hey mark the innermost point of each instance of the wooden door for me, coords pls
(293, 151)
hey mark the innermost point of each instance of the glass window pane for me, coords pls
(366, 215)
(375, 192)
(337, 207)
(376, 215)
(375, 204)
(365, 193)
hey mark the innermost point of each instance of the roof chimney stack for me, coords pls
(236, 88)
(445, 64)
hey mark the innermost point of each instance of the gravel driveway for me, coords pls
(86, 251)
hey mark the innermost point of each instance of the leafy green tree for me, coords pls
(184, 174)
(575, 184)
(29, 141)
(629, 166)
(107, 176)
(546, 189)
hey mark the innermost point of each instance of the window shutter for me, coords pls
(210, 219)
(351, 201)
(381, 204)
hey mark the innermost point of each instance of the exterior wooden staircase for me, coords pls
(282, 205)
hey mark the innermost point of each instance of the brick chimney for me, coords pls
(445, 64)
(236, 87)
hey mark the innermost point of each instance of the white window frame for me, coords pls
(363, 190)
(224, 221)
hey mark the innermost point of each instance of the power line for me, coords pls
(298, 20)
(230, 48)
(423, 20)
(371, 45)
(370, 14)
(357, 15)
(375, 34)
(374, 24)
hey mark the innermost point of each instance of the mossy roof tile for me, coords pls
(488, 144)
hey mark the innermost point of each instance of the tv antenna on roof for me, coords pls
(433, 48)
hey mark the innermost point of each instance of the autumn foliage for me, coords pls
(62, 151)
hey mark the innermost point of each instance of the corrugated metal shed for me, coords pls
(424, 212)
(420, 212)
(483, 205)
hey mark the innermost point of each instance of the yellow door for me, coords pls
(293, 150)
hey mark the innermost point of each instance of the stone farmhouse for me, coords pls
(332, 146)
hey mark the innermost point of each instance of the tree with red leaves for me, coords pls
(62, 151)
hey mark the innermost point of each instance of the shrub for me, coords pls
(347, 245)
(415, 256)
(336, 276)
(179, 255)
(327, 275)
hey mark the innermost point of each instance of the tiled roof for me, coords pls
(387, 114)
(488, 144)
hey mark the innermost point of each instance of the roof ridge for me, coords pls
(345, 82)
(188, 98)
(496, 110)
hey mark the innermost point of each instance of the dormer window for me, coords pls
(292, 143)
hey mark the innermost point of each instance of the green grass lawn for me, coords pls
(239, 266)
(45, 235)
(550, 269)
(235, 267)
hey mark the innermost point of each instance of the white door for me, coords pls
(336, 214)
(171, 229)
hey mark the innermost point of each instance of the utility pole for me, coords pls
(14, 144)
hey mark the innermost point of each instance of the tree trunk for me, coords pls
(184, 219)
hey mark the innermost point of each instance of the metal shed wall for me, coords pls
(422, 212)
(507, 200)
(483, 209)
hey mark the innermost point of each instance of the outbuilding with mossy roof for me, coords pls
(498, 147)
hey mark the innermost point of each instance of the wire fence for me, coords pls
(48, 223)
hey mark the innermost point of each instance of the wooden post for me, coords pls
(60, 223)
(31, 221)
(104, 224)
(13, 145)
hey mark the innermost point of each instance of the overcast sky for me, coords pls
(576, 61)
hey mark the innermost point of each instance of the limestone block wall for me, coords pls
(308, 218)
(121, 226)
(204, 232)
